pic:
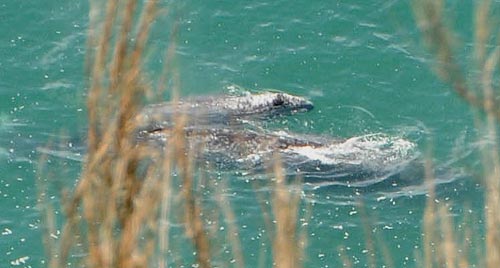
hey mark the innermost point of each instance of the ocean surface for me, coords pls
(362, 63)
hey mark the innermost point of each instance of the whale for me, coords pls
(220, 140)
(226, 109)
(356, 161)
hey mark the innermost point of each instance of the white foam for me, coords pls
(373, 151)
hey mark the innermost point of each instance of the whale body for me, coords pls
(357, 160)
(224, 109)
(354, 161)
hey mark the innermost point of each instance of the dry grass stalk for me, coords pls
(268, 223)
(118, 200)
(121, 46)
(492, 165)
(97, 62)
(369, 241)
(429, 231)
(192, 209)
(482, 30)
(346, 262)
(463, 261)
(386, 254)
(449, 257)
(163, 230)
(449, 249)
(286, 246)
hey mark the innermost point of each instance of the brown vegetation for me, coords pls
(118, 215)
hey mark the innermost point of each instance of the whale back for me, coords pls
(356, 161)
(223, 110)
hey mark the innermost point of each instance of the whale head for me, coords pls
(275, 102)
(223, 110)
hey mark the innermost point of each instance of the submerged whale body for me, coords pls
(224, 110)
(357, 161)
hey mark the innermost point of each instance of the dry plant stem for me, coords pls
(145, 22)
(164, 227)
(131, 91)
(166, 171)
(344, 257)
(304, 234)
(99, 68)
(98, 71)
(267, 222)
(448, 245)
(72, 216)
(386, 254)
(121, 46)
(429, 216)
(146, 203)
(261, 198)
(109, 188)
(467, 242)
(128, 162)
(482, 30)
(285, 204)
(265, 212)
(193, 221)
(368, 236)
(492, 162)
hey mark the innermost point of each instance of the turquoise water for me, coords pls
(361, 63)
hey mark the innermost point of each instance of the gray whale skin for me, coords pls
(358, 160)
(224, 110)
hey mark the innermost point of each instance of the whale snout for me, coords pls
(306, 106)
(291, 102)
